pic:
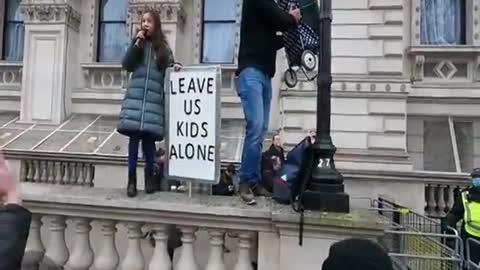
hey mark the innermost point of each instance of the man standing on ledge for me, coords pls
(261, 20)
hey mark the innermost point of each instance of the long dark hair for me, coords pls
(159, 40)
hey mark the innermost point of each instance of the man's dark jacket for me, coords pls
(261, 20)
(14, 227)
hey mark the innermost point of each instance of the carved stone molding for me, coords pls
(51, 13)
(418, 68)
(170, 11)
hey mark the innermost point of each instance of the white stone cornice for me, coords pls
(51, 13)
(171, 11)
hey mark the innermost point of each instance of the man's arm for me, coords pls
(274, 15)
(455, 214)
(14, 227)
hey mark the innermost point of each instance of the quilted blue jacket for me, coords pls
(143, 108)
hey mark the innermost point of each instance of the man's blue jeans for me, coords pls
(254, 88)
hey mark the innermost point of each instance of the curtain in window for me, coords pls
(441, 22)
(14, 32)
(113, 36)
(219, 29)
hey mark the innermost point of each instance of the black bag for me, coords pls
(293, 179)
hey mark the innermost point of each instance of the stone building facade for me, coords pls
(400, 104)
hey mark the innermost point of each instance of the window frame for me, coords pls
(3, 27)
(416, 26)
(99, 25)
(202, 37)
(451, 121)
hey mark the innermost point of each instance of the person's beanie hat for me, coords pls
(357, 254)
(475, 173)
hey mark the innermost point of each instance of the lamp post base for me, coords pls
(326, 190)
(325, 201)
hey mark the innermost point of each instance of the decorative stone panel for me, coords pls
(51, 13)
(170, 11)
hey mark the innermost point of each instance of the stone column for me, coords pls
(51, 38)
(172, 15)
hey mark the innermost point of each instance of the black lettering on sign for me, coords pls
(202, 85)
(210, 85)
(188, 105)
(181, 85)
(171, 88)
(202, 153)
(211, 152)
(191, 86)
(194, 129)
(204, 130)
(179, 128)
(189, 151)
(193, 151)
(173, 152)
(197, 107)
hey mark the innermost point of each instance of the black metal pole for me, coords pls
(325, 190)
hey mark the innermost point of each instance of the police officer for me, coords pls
(467, 209)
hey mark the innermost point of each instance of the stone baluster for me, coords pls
(82, 174)
(134, 259)
(34, 250)
(69, 172)
(30, 171)
(215, 262)
(244, 261)
(187, 257)
(82, 254)
(57, 172)
(431, 202)
(51, 171)
(43, 171)
(450, 197)
(62, 172)
(57, 250)
(91, 175)
(23, 171)
(77, 167)
(108, 257)
(37, 171)
(441, 200)
(160, 259)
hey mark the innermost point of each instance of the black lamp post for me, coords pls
(325, 190)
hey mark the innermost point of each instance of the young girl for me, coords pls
(142, 117)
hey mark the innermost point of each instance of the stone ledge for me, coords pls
(357, 219)
(176, 208)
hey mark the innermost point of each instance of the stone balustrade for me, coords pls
(440, 197)
(83, 228)
(57, 172)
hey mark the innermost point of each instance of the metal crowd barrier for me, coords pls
(472, 262)
(417, 242)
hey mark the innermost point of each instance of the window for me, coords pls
(113, 38)
(448, 145)
(443, 22)
(219, 29)
(13, 32)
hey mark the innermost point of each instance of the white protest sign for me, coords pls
(193, 120)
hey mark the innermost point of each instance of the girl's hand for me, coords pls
(140, 34)
(139, 37)
(177, 67)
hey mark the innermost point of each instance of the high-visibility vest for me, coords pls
(471, 216)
